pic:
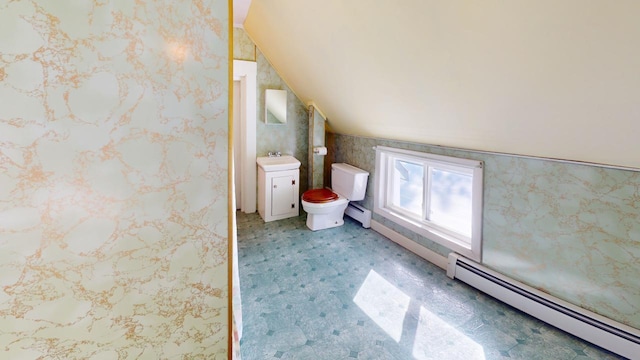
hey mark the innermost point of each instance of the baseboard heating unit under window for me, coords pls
(599, 330)
(360, 214)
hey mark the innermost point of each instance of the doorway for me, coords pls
(244, 138)
(237, 148)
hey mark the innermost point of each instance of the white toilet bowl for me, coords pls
(325, 208)
(325, 215)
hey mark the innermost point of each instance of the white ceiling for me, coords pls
(547, 78)
(240, 10)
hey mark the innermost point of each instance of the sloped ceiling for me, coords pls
(548, 78)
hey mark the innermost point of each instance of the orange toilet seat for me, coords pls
(319, 196)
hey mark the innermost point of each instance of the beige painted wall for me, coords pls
(545, 78)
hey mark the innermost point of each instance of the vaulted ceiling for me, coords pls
(548, 78)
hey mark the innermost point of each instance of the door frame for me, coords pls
(246, 72)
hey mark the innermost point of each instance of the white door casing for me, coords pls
(237, 130)
(246, 73)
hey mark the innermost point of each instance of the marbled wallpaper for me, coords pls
(243, 47)
(113, 180)
(571, 230)
(316, 139)
(290, 138)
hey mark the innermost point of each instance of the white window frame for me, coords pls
(470, 247)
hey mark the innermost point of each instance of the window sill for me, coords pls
(432, 233)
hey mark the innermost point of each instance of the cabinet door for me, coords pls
(282, 195)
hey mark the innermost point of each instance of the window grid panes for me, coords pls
(443, 197)
(408, 186)
(450, 200)
(438, 196)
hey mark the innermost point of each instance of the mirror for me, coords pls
(276, 106)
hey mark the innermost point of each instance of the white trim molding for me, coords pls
(246, 72)
(459, 229)
(431, 256)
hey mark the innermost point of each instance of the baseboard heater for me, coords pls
(360, 214)
(599, 330)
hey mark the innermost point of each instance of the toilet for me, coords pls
(325, 208)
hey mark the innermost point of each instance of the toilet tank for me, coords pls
(349, 181)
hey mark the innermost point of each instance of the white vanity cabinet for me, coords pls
(278, 187)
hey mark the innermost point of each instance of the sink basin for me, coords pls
(278, 163)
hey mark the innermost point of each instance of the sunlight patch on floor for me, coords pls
(435, 339)
(387, 306)
(384, 303)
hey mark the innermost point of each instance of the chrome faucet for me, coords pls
(274, 153)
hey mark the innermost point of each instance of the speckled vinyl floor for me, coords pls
(349, 293)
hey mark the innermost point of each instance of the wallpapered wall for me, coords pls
(290, 138)
(113, 181)
(570, 230)
(316, 139)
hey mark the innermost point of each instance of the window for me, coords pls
(437, 196)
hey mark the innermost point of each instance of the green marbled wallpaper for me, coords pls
(570, 230)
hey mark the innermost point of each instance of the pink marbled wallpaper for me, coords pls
(113, 179)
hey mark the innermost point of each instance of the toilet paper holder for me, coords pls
(320, 150)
